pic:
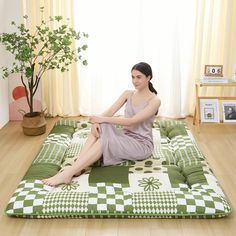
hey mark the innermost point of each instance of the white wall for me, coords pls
(10, 10)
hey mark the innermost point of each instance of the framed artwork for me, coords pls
(209, 110)
(229, 111)
(213, 70)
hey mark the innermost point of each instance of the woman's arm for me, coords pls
(117, 104)
(146, 113)
(96, 130)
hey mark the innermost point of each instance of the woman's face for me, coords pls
(139, 80)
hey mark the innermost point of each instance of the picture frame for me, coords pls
(209, 111)
(229, 111)
(214, 70)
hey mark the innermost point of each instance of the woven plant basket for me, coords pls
(34, 125)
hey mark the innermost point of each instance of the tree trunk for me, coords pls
(31, 95)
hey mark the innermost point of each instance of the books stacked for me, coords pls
(213, 80)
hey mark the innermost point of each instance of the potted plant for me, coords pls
(34, 54)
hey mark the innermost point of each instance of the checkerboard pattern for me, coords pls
(28, 198)
(181, 142)
(180, 187)
(60, 203)
(196, 202)
(154, 203)
(112, 198)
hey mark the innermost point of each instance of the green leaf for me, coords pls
(42, 9)
(84, 47)
(58, 18)
(28, 72)
(85, 63)
(85, 35)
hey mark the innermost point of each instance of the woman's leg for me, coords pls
(88, 144)
(86, 159)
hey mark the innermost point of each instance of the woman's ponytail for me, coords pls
(151, 88)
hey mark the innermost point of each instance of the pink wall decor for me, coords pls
(18, 102)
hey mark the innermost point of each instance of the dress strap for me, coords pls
(144, 102)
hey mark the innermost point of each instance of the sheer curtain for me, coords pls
(177, 38)
(59, 90)
(123, 33)
(215, 40)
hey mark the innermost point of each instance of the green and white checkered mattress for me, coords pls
(175, 182)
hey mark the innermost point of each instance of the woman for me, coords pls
(134, 142)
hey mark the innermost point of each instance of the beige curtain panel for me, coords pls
(59, 90)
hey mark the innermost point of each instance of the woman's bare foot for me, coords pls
(63, 177)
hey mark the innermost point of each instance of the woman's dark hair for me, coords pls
(146, 69)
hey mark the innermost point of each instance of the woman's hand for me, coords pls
(96, 119)
(96, 130)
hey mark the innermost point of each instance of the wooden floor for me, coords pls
(217, 142)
